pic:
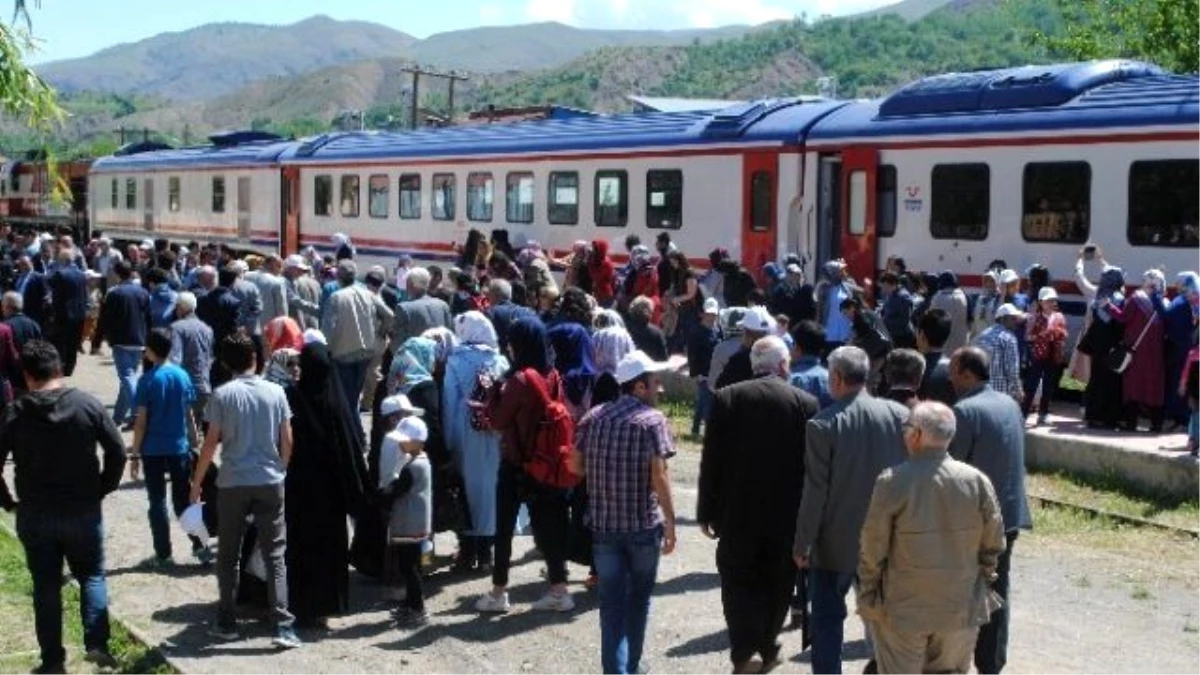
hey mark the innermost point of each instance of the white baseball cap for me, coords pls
(793, 268)
(759, 320)
(313, 335)
(711, 306)
(146, 244)
(638, 363)
(411, 429)
(398, 403)
(1008, 309)
(1009, 276)
(1047, 293)
(296, 261)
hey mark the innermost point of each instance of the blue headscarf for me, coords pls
(415, 361)
(527, 342)
(572, 347)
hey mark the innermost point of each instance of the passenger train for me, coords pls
(951, 172)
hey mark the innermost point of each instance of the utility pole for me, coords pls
(453, 76)
(121, 132)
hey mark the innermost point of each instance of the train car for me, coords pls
(26, 200)
(228, 192)
(1023, 164)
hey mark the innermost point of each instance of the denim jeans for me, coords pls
(627, 566)
(126, 360)
(702, 406)
(156, 470)
(48, 538)
(827, 592)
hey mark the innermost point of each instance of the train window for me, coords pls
(218, 194)
(322, 195)
(115, 195)
(1056, 197)
(350, 194)
(612, 198)
(130, 194)
(1163, 203)
(410, 195)
(243, 194)
(562, 201)
(377, 195)
(443, 196)
(762, 200)
(664, 199)
(961, 201)
(518, 197)
(173, 193)
(886, 199)
(480, 196)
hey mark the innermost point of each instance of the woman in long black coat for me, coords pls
(325, 483)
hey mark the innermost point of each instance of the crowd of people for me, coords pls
(879, 424)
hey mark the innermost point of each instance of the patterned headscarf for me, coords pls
(444, 341)
(1156, 280)
(611, 344)
(277, 367)
(609, 318)
(283, 331)
(640, 257)
(415, 362)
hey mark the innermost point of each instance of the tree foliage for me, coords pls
(1165, 32)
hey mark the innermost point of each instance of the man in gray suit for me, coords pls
(991, 437)
(847, 445)
(421, 312)
(271, 287)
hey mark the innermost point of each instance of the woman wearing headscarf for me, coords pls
(343, 247)
(1143, 380)
(444, 342)
(471, 369)
(538, 279)
(283, 367)
(642, 281)
(576, 266)
(608, 318)
(835, 288)
(984, 313)
(610, 344)
(952, 300)
(1181, 337)
(470, 249)
(516, 412)
(325, 483)
(1080, 367)
(411, 374)
(572, 347)
(1102, 399)
(283, 331)
(602, 273)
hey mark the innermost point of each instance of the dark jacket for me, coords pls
(125, 316)
(738, 285)
(648, 338)
(34, 296)
(737, 369)
(68, 294)
(503, 315)
(24, 329)
(897, 314)
(991, 437)
(52, 437)
(754, 445)
(936, 385)
(700, 347)
(219, 309)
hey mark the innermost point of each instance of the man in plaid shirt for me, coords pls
(999, 341)
(623, 447)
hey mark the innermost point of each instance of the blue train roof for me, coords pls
(239, 154)
(782, 121)
(1095, 94)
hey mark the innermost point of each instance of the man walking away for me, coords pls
(933, 330)
(24, 328)
(271, 288)
(161, 443)
(251, 421)
(192, 350)
(250, 307)
(421, 312)
(991, 437)
(52, 433)
(753, 446)
(351, 323)
(808, 340)
(930, 544)
(68, 299)
(125, 322)
(847, 445)
(623, 448)
(303, 292)
(902, 371)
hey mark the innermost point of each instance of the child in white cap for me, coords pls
(406, 480)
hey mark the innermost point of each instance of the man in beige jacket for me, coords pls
(929, 548)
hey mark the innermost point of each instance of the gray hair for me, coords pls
(238, 267)
(851, 364)
(347, 272)
(207, 275)
(641, 307)
(904, 368)
(185, 303)
(499, 288)
(936, 422)
(419, 278)
(767, 353)
(14, 300)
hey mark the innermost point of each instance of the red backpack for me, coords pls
(548, 462)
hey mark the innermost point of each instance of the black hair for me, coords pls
(629, 387)
(935, 325)
(226, 277)
(40, 361)
(631, 241)
(124, 270)
(889, 278)
(974, 361)
(159, 342)
(156, 276)
(904, 367)
(237, 352)
(850, 303)
(809, 337)
(757, 296)
(573, 306)
(900, 264)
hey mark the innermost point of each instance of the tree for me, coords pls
(1164, 32)
(24, 94)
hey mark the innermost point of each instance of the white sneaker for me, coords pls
(551, 602)
(493, 604)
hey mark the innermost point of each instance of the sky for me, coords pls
(73, 28)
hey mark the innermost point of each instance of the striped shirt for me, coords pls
(1001, 347)
(618, 441)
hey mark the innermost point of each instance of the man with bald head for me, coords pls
(930, 545)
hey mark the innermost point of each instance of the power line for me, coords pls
(416, 72)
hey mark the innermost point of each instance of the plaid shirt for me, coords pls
(1001, 346)
(618, 441)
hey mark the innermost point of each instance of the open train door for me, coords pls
(859, 168)
(289, 226)
(760, 185)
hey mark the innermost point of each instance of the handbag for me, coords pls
(1121, 356)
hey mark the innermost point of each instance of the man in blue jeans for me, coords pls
(52, 432)
(125, 322)
(623, 447)
(161, 443)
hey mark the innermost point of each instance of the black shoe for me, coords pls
(770, 660)
(49, 668)
(101, 659)
(408, 618)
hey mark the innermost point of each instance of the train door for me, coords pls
(760, 178)
(829, 210)
(289, 225)
(859, 174)
(243, 208)
(148, 205)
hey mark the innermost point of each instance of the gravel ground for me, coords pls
(1074, 608)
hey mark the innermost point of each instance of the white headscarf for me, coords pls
(473, 328)
(444, 340)
(611, 345)
(340, 239)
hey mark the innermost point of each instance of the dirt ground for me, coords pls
(1078, 606)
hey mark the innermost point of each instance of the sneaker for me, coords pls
(226, 633)
(101, 658)
(491, 603)
(205, 556)
(1041, 420)
(552, 602)
(410, 618)
(286, 638)
(157, 563)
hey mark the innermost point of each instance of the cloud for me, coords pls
(490, 14)
(562, 11)
(712, 13)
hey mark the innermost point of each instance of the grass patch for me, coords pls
(1112, 493)
(18, 643)
(1141, 593)
(679, 414)
(1083, 581)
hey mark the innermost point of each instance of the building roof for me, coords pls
(667, 104)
